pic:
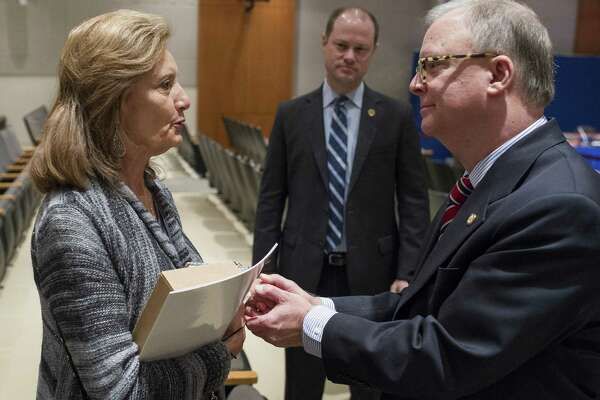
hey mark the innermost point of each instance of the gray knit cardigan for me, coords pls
(96, 257)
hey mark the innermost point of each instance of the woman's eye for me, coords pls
(166, 84)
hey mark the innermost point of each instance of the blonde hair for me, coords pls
(100, 60)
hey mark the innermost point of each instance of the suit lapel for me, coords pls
(502, 179)
(367, 129)
(463, 226)
(314, 113)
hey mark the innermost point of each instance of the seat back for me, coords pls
(9, 140)
(436, 200)
(246, 139)
(190, 152)
(34, 122)
(441, 176)
(3, 260)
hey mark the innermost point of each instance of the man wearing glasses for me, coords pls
(505, 302)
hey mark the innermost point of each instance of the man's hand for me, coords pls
(257, 305)
(281, 323)
(398, 285)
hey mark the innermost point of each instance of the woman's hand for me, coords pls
(236, 333)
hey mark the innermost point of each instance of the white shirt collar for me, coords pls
(483, 166)
(355, 97)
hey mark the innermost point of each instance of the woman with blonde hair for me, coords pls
(107, 226)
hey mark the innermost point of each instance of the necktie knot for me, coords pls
(461, 190)
(340, 102)
(458, 195)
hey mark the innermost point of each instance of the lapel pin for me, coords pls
(472, 218)
(371, 112)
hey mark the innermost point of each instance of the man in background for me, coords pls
(346, 159)
(505, 302)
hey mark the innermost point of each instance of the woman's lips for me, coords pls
(179, 123)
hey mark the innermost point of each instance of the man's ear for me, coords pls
(323, 39)
(375, 46)
(503, 74)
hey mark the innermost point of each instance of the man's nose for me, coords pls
(416, 86)
(350, 56)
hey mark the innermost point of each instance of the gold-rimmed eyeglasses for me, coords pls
(425, 64)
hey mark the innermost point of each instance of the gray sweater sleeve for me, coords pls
(81, 292)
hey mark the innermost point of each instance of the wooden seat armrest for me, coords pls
(9, 197)
(15, 168)
(2, 212)
(247, 377)
(9, 175)
(8, 185)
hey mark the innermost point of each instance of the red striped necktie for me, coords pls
(458, 195)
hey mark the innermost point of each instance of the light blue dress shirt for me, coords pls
(353, 110)
(318, 316)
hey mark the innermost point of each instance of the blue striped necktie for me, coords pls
(337, 147)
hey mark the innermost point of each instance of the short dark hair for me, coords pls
(339, 11)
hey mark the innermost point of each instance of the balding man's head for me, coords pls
(352, 12)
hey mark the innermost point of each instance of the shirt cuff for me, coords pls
(312, 328)
(327, 302)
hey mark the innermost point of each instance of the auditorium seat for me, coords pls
(441, 176)
(436, 201)
(3, 255)
(235, 176)
(9, 231)
(240, 378)
(189, 150)
(207, 156)
(14, 151)
(246, 139)
(34, 122)
(17, 184)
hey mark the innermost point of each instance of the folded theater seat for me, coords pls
(34, 122)
(16, 154)
(18, 190)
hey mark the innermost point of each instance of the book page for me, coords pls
(192, 316)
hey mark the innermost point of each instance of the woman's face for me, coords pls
(152, 111)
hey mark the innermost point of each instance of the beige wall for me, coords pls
(400, 34)
(31, 38)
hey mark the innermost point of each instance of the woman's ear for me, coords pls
(503, 72)
(124, 100)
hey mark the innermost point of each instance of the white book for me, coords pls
(193, 306)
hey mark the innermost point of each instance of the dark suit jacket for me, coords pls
(387, 168)
(507, 307)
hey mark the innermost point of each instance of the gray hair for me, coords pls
(512, 29)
